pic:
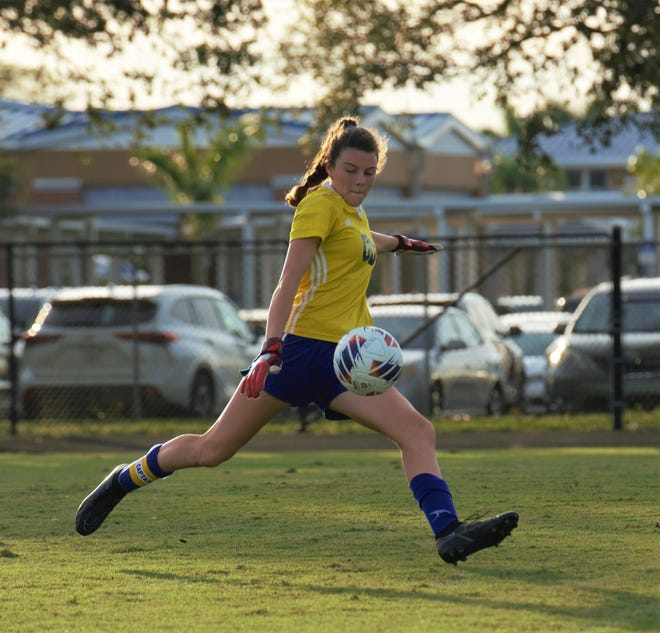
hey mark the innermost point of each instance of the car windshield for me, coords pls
(534, 343)
(640, 314)
(402, 326)
(25, 309)
(100, 313)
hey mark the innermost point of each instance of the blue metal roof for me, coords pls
(26, 126)
(568, 149)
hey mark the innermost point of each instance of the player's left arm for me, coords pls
(401, 244)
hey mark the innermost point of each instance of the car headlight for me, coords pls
(568, 360)
(556, 351)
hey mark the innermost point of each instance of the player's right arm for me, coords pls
(298, 259)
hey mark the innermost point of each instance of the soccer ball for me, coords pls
(368, 360)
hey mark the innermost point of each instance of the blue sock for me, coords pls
(434, 498)
(142, 471)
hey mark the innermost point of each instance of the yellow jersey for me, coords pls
(332, 295)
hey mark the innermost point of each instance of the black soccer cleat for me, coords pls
(468, 538)
(99, 503)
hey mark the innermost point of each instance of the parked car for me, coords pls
(533, 332)
(483, 316)
(256, 320)
(580, 363)
(448, 366)
(519, 303)
(5, 352)
(177, 346)
(570, 302)
(27, 303)
(5, 346)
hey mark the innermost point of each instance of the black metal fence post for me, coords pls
(13, 363)
(616, 331)
(136, 408)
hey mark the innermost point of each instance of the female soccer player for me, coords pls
(320, 296)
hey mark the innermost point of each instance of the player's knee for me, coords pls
(426, 431)
(418, 433)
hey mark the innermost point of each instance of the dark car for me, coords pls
(580, 362)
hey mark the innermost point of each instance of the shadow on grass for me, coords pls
(624, 610)
(208, 578)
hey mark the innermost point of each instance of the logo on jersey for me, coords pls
(368, 250)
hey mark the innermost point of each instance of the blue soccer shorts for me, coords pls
(307, 375)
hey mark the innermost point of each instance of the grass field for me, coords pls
(333, 541)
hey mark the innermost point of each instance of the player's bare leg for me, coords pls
(392, 415)
(241, 419)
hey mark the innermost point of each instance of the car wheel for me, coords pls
(437, 399)
(496, 404)
(202, 396)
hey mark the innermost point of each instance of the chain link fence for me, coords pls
(105, 344)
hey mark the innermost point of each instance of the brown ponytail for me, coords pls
(343, 133)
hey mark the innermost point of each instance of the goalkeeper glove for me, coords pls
(417, 247)
(269, 361)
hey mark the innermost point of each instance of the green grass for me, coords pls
(333, 541)
(634, 420)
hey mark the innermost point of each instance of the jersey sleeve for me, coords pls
(314, 217)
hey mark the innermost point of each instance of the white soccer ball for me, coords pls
(368, 360)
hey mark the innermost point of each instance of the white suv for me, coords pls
(120, 350)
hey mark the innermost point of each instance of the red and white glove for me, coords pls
(416, 247)
(268, 362)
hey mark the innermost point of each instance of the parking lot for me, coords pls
(113, 349)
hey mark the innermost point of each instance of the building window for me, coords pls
(573, 179)
(597, 179)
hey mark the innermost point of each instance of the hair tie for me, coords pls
(349, 123)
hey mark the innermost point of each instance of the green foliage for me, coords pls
(523, 174)
(599, 53)
(646, 169)
(196, 173)
(167, 48)
(352, 48)
(617, 42)
(604, 53)
(332, 541)
(527, 130)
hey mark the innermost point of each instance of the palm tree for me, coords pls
(192, 173)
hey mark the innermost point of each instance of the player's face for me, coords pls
(353, 174)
